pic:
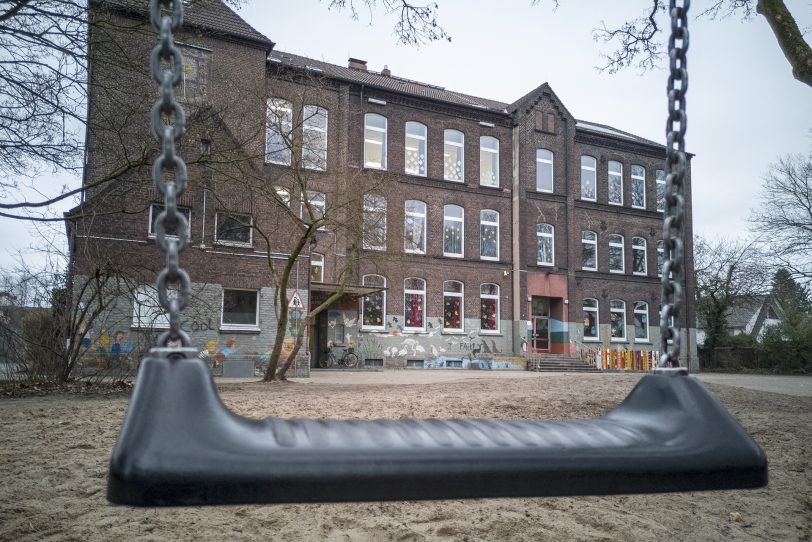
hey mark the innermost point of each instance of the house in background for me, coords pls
(748, 316)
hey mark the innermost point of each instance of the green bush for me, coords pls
(788, 346)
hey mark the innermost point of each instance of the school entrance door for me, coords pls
(541, 324)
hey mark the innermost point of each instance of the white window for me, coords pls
(617, 320)
(488, 161)
(453, 295)
(240, 309)
(416, 148)
(615, 180)
(544, 170)
(659, 176)
(147, 310)
(616, 263)
(414, 304)
(641, 321)
(545, 240)
(314, 138)
(589, 251)
(374, 141)
(660, 257)
(638, 187)
(453, 231)
(414, 227)
(233, 229)
(278, 132)
(639, 266)
(313, 210)
(588, 183)
(488, 234)
(316, 267)
(283, 195)
(489, 308)
(454, 156)
(156, 209)
(374, 235)
(373, 306)
(590, 318)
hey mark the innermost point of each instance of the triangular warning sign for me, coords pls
(296, 301)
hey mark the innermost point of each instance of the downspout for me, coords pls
(515, 244)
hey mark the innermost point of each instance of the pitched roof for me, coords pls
(603, 129)
(211, 15)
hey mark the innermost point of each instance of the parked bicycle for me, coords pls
(340, 355)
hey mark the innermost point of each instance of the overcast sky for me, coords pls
(744, 107)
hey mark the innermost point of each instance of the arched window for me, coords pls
(453, 230)
(616, 262)
(316, 267)
(277, 133)
(639, 266)
(617, 320)
(373, 306)
(588, 180)
(544, 170)
(488, 161)
(488, 234)
(641, 321)
(314, 138)
(590, 319)
(414, 304)
(416, 148)
(375, 141)
(374, 237)
(414, 227)
(589, 251)
(638, 187)
(546, 244)
(615, 179)
(489, 308)
(454, 155)
(453, 305)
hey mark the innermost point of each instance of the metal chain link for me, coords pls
(673, 234)
(169, 172)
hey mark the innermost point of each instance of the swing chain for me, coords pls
(169, 173)
(673, 234)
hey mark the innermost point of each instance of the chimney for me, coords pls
(386, 72)
(355, 64)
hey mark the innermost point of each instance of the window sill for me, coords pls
(456, 256)
(590, 200)
(618, 340)
(615, 204)
(414, 252)
(372, 329)
(542, 264)
(413, 331)
(453, 332)
(642, 341)
(491, 186)
(592, 340)
(617, 272)
(244, 329)
(234, 244)
(489, 259)
(490, 333)
(374, 167)
(545, 191)
(589, 269)
(277, 163)
(642, 208)
(640, 274)
(413, 174)
(456, 181)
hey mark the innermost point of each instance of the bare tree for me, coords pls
(784, 216)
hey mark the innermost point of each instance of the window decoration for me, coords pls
(589, 251)
(588, 178)
(488, 234)
(156, 209)
(616, 263)
(639, 266)
(414, 228)
(314, 138)
(195, 81)
(488, 161)
(416, 148)
(591, 326)
(617, 319)
(659, 177)
(316, 267)
(641, 321)
(375, 127)
(240, 309)
(615, 179)
(638, 187)
(373, 306)
(453, 230)
(414, 303)
(544, 170)
(278, 131)
(233, 229)
(453, 305)
(489, 308)
(546, 244)
(374, 235)
(454, 155)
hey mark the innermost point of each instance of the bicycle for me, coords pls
(348, 357)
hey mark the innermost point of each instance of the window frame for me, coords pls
(460, 296)
(310, 127)
(461, 220)
(622, 246)
(594, 172)
(383, 143)
(496, 297)
(637, 327)
(551, 162)
(660, 257)
(540, 237)
(643, 246)
(158, 317)
(317, 261)
(285, 123)
(422, 293)
(638, 179)
(459, 148)
(228, 243)
(594, 243)
(422, 142)
(596, 311)
(413, 215)
(283, 195)
(382, 326)
(152, 216)
(239, 327)
(316, 200)
(489, 224)
(494, 161)
(380, 213)
(613, 311)
(659, 180)
(616, 176)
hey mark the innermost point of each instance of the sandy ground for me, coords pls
(54, 451)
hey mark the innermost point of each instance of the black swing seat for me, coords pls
(180, 445)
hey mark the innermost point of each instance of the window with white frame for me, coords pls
(660, 257)
(659, 177)
(589, 189)
(453, 294)
(589, 250)
(545, 240)
(454, 155)
(489, 308)
(373, 306)
(375, 141)
(617, 320)
(544, 170)
(283, 195)
(639, 266)
(315, 207)
(488, 161)
(414, 227)
(240, 309)
(616, 262)
(488, 234)
(641, 321)
(233, 229)
(638, 186)
(453, 231)
(414, 304)
(416, 159)
(615, 180)
(316, 267)
(147, 310)
(590, 318)
(278, 131)
(374, 234)
(155, 209)
(314, 138)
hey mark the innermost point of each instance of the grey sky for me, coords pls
(744, 107)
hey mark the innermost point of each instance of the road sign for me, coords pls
(296, 301)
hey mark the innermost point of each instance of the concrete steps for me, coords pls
(558, 363)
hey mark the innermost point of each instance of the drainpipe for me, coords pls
(515, 240)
